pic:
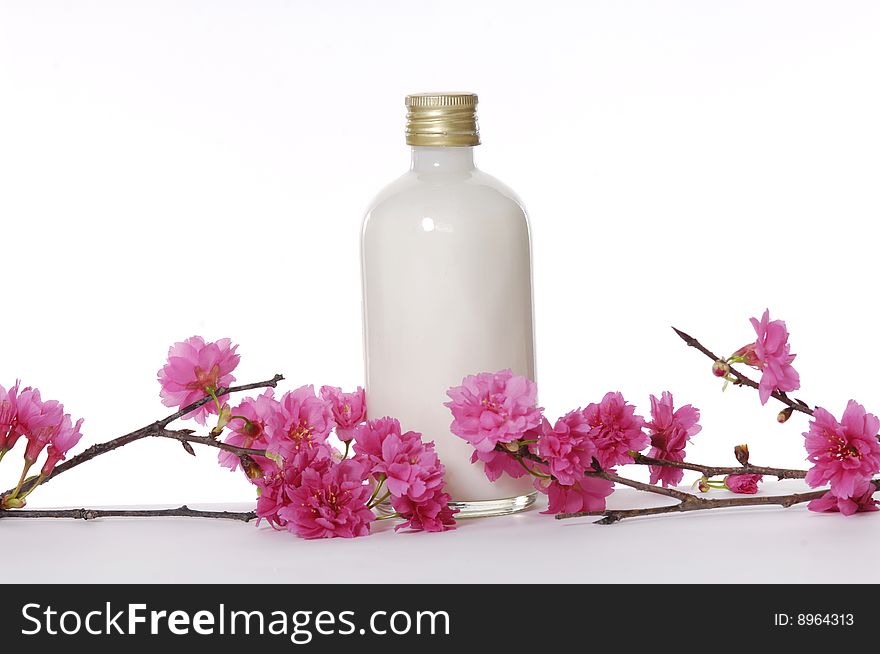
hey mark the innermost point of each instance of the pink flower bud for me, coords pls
(703, 485)
(720, 368)
(741, 452)
(742, 484)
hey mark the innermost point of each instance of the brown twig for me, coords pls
(740, 378)
(712, 471)
(708, 471)
(681, 496)
(686, 501)
(157, 428)
(689, 502)
(91, 514)
(694, 503)
(601, 474)
(186, 436)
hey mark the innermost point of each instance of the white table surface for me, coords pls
(758, 544)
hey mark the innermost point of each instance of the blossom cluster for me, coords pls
(497, 413)
(304, 483)
(846, 456)
(43, 425)
(323, 467)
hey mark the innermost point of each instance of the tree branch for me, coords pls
(741, 379)
(712, 471)
(638, 485)
(601, 474)
(186, 436)
(694, 503)
(91, 514)
(157, 428)
(686, 501)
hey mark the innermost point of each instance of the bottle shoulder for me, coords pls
(447, 191)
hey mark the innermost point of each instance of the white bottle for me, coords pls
(447, 290)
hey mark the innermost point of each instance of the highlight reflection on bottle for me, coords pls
(447, 287)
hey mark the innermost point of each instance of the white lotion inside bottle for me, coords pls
(447, 293)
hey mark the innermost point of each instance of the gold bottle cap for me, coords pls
(442, 119)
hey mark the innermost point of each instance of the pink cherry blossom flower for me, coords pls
(8, 417)
(271, 498)
(370, 437)
(497, 463)
(862, 499)
(431, 513)
(278, 483)
(616, 430)
(771, 354)
(43, 424)
(666, 475)
(37, 421)
(196, 369)
(844, 453)
(586, 494)
(409, 466)
(492, 408)
(743, 484)
(670, 430)
(567, 447)
(248, 427)
(330, 503)
(304, 423)
(349, 409)
(65, 436)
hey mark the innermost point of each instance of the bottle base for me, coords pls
(488, 508)
(479, 509)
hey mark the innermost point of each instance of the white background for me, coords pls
(171, 168)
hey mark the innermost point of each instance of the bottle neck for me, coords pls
(442, 159)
